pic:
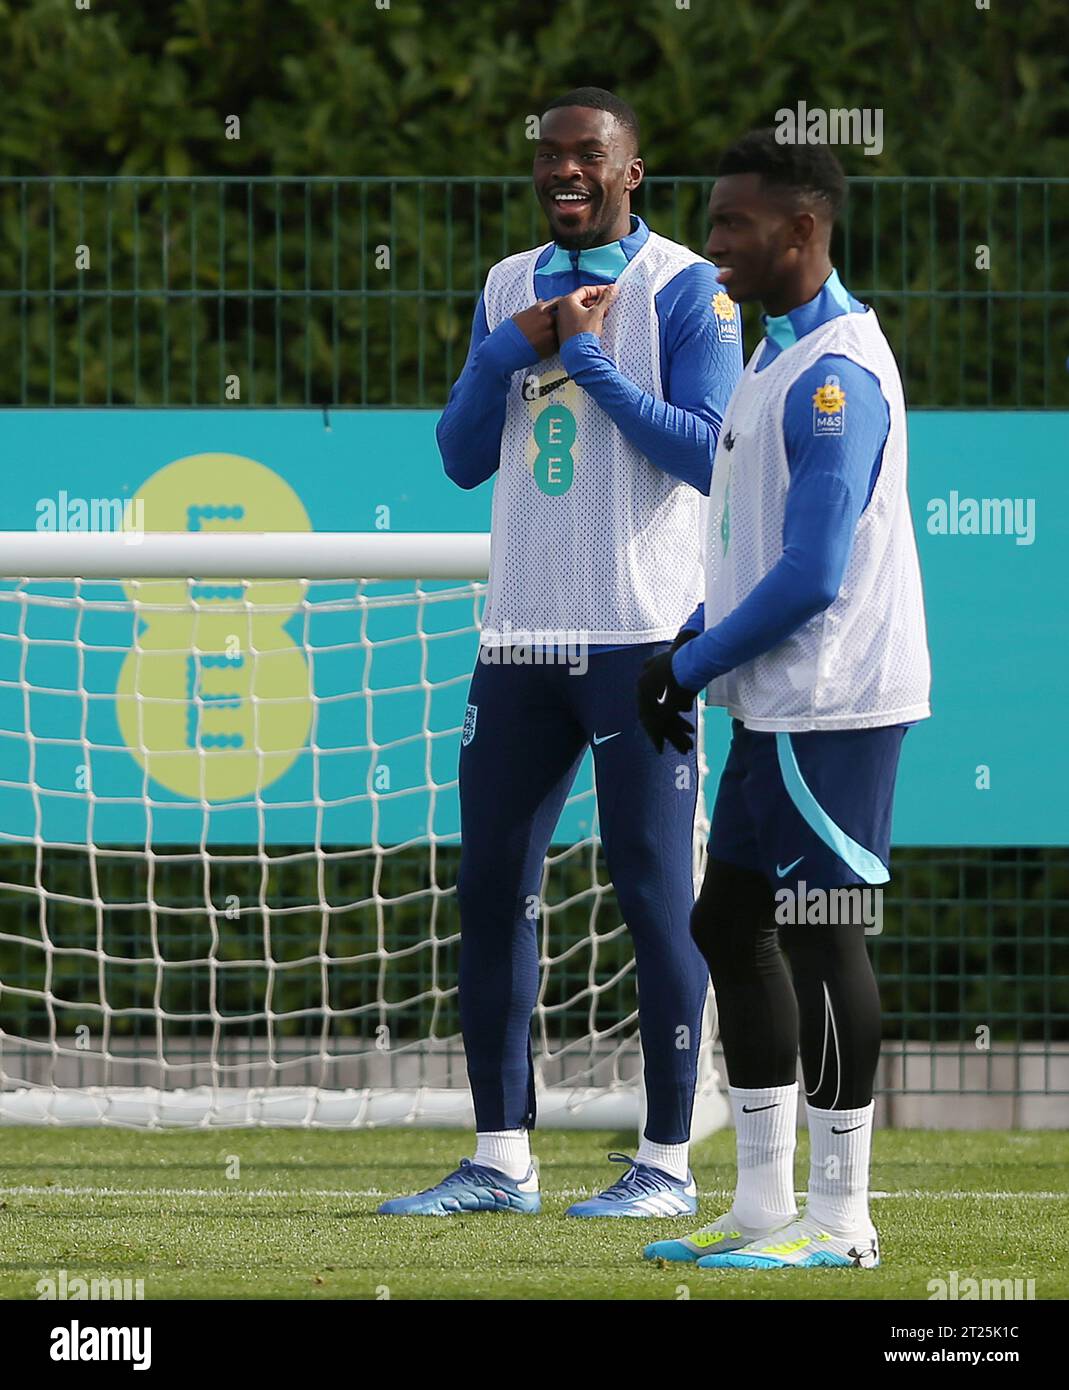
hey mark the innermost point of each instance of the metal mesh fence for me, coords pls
(355, 292)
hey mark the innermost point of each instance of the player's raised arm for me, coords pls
(699, 336)
(469, 431)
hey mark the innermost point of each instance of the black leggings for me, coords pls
(828, 1005)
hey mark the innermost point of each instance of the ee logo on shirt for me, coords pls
(554, 467)
(554, 428)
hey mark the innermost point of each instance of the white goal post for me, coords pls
(229, 838)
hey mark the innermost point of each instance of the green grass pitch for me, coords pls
(299, 1221)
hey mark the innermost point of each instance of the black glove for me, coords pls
(684, 635)
(662, 700)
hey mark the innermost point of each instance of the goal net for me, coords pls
(229, 839)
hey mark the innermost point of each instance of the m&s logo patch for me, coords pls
(829, 408)
(727, 325)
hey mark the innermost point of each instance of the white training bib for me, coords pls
(589, 540)
(863, 662)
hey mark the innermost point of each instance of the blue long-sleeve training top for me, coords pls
(698, 370)
(831, 482)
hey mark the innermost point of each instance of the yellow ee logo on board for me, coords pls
(214, 700)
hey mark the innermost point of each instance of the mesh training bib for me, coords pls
(863, 662)
(587, 536)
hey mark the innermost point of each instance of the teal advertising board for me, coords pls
(990, 496)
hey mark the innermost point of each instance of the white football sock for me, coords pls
(765, 1133)
(507, 1150)
(673, 1159)
(840, 1147)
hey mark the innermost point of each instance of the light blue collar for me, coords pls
(830, 300)
(606, 262)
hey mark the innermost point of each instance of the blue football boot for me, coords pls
(471, 1187)
(642, 1191)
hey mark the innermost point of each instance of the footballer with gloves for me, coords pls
(812, 635)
